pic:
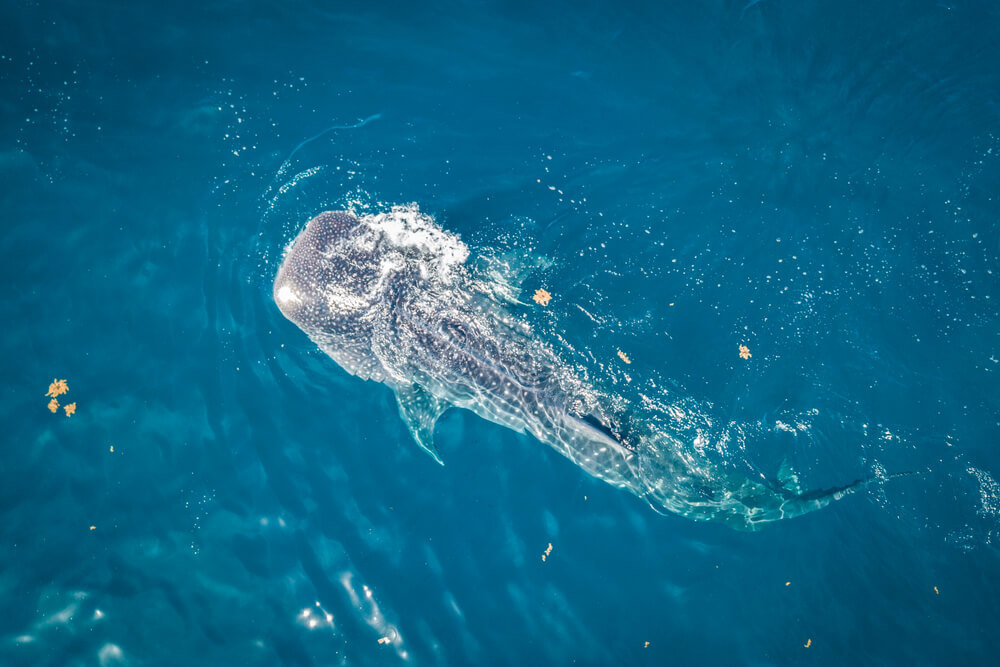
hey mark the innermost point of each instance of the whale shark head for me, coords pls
(318, 286)
(325, 287)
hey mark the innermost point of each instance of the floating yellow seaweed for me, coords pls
(548, 550)
(70, 409)
(542, 297)
(53, 406)
(936, 591)
(624, 357)
(745, 352)
(57, 388)
(808, 643)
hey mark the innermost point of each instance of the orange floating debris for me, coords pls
(57, 388)
(788, 583)
(647, 645)
(624, 357)
(542, 297)
(93, 527)
(53, 406)
(745, 352)
(383, 640)
(70, 409)
(808, 643)
(548, 550)
(936, 591)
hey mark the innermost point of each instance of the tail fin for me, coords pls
(757, 504)
(797, 504)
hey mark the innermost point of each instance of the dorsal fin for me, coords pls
(617, 435)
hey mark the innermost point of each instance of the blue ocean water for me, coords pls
(817, 181)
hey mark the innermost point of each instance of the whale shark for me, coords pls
(391, 299)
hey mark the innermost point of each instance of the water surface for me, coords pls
(816, 181)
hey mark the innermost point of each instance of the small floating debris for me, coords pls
(93, 527)
(111, 449)
(624, 357)
(384, 640)
(745, 352)
(936, 591)
(542, 297)
(57, 388)
(646, 645)
(788, 583)
(808, 643)
(548, 550)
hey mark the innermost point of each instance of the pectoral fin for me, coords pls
(420, 410)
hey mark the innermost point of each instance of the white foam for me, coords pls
(416, 235)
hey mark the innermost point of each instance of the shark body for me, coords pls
(390, 299)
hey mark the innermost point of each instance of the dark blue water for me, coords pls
(815, 180)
